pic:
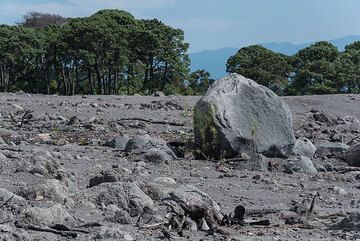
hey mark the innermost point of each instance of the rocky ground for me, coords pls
(122, 168)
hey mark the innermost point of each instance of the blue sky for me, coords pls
(211, 24)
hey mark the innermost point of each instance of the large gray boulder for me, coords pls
(237, 115)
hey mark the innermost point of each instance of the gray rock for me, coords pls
(190, 196)
(258, 163)
(145, 142)
(323, 118)
(157, 156)
(119, 142)
(331, 149)
(109, 233)
(2, 142)
(349, 223)
(304, 147)
(125, 195)
(238, 115)
(2, 157)
(137, 198)
(6, 195)
(52, 190)
(320, 168)
(117, 215)
(160, 188)
(352, 156)
(300, 164)
(159, 94)
(329, 167)
(6, 132)
(112, 175)
(55, 214)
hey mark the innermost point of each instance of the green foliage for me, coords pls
(205, 129)
(317, 69)
(109, 52)
(199, 82)
(262, 65)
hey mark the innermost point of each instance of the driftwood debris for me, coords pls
(24, 119)
(7, 201)
(158, 122)
(22, 225)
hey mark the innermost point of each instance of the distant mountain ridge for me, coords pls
(214, 61)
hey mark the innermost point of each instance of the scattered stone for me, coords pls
(145, 142)
(349, 223)
(6, 195)
(339, 190)
(352, 156)
(117, 215)
(157, 156)
(2, 157)
(112, 175)
(119, 142)
(300, 164)
(320, 168)
(125, 195)
(159, 94)
(304, 147)
(331, 149)
(329, 167)
(238, 115)
(110, 233)
(55, 214)
(323, 118)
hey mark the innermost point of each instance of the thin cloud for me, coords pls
(72, 8)
(206, 24)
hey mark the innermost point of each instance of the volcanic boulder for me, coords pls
(237, 115)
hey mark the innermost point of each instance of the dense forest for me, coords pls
(111, 52)
(317, 69)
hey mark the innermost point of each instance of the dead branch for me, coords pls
(22, 120)
(313, 203)
(45, 229)
(155, 225)
(7, 221)
(7, 201)
(152, 121)
(347, 169)
(90, 225)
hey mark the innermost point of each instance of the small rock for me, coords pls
(329, 167)
(47, 216)
(159, 94)
(320, 168)
(157, 156)
(349, 223)
(119, 142)
(339, 190)
(304, 147)
(300, 164)
(331, 149)
(109, 233)
(352, 156)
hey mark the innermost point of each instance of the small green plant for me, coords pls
(206, 133)
(254, 129)
(56, 130)
(82, 141)
(188, 111)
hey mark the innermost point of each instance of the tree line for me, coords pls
(112, 52)
(318, 69)
(109, 52)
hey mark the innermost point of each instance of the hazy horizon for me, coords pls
(211, 24)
